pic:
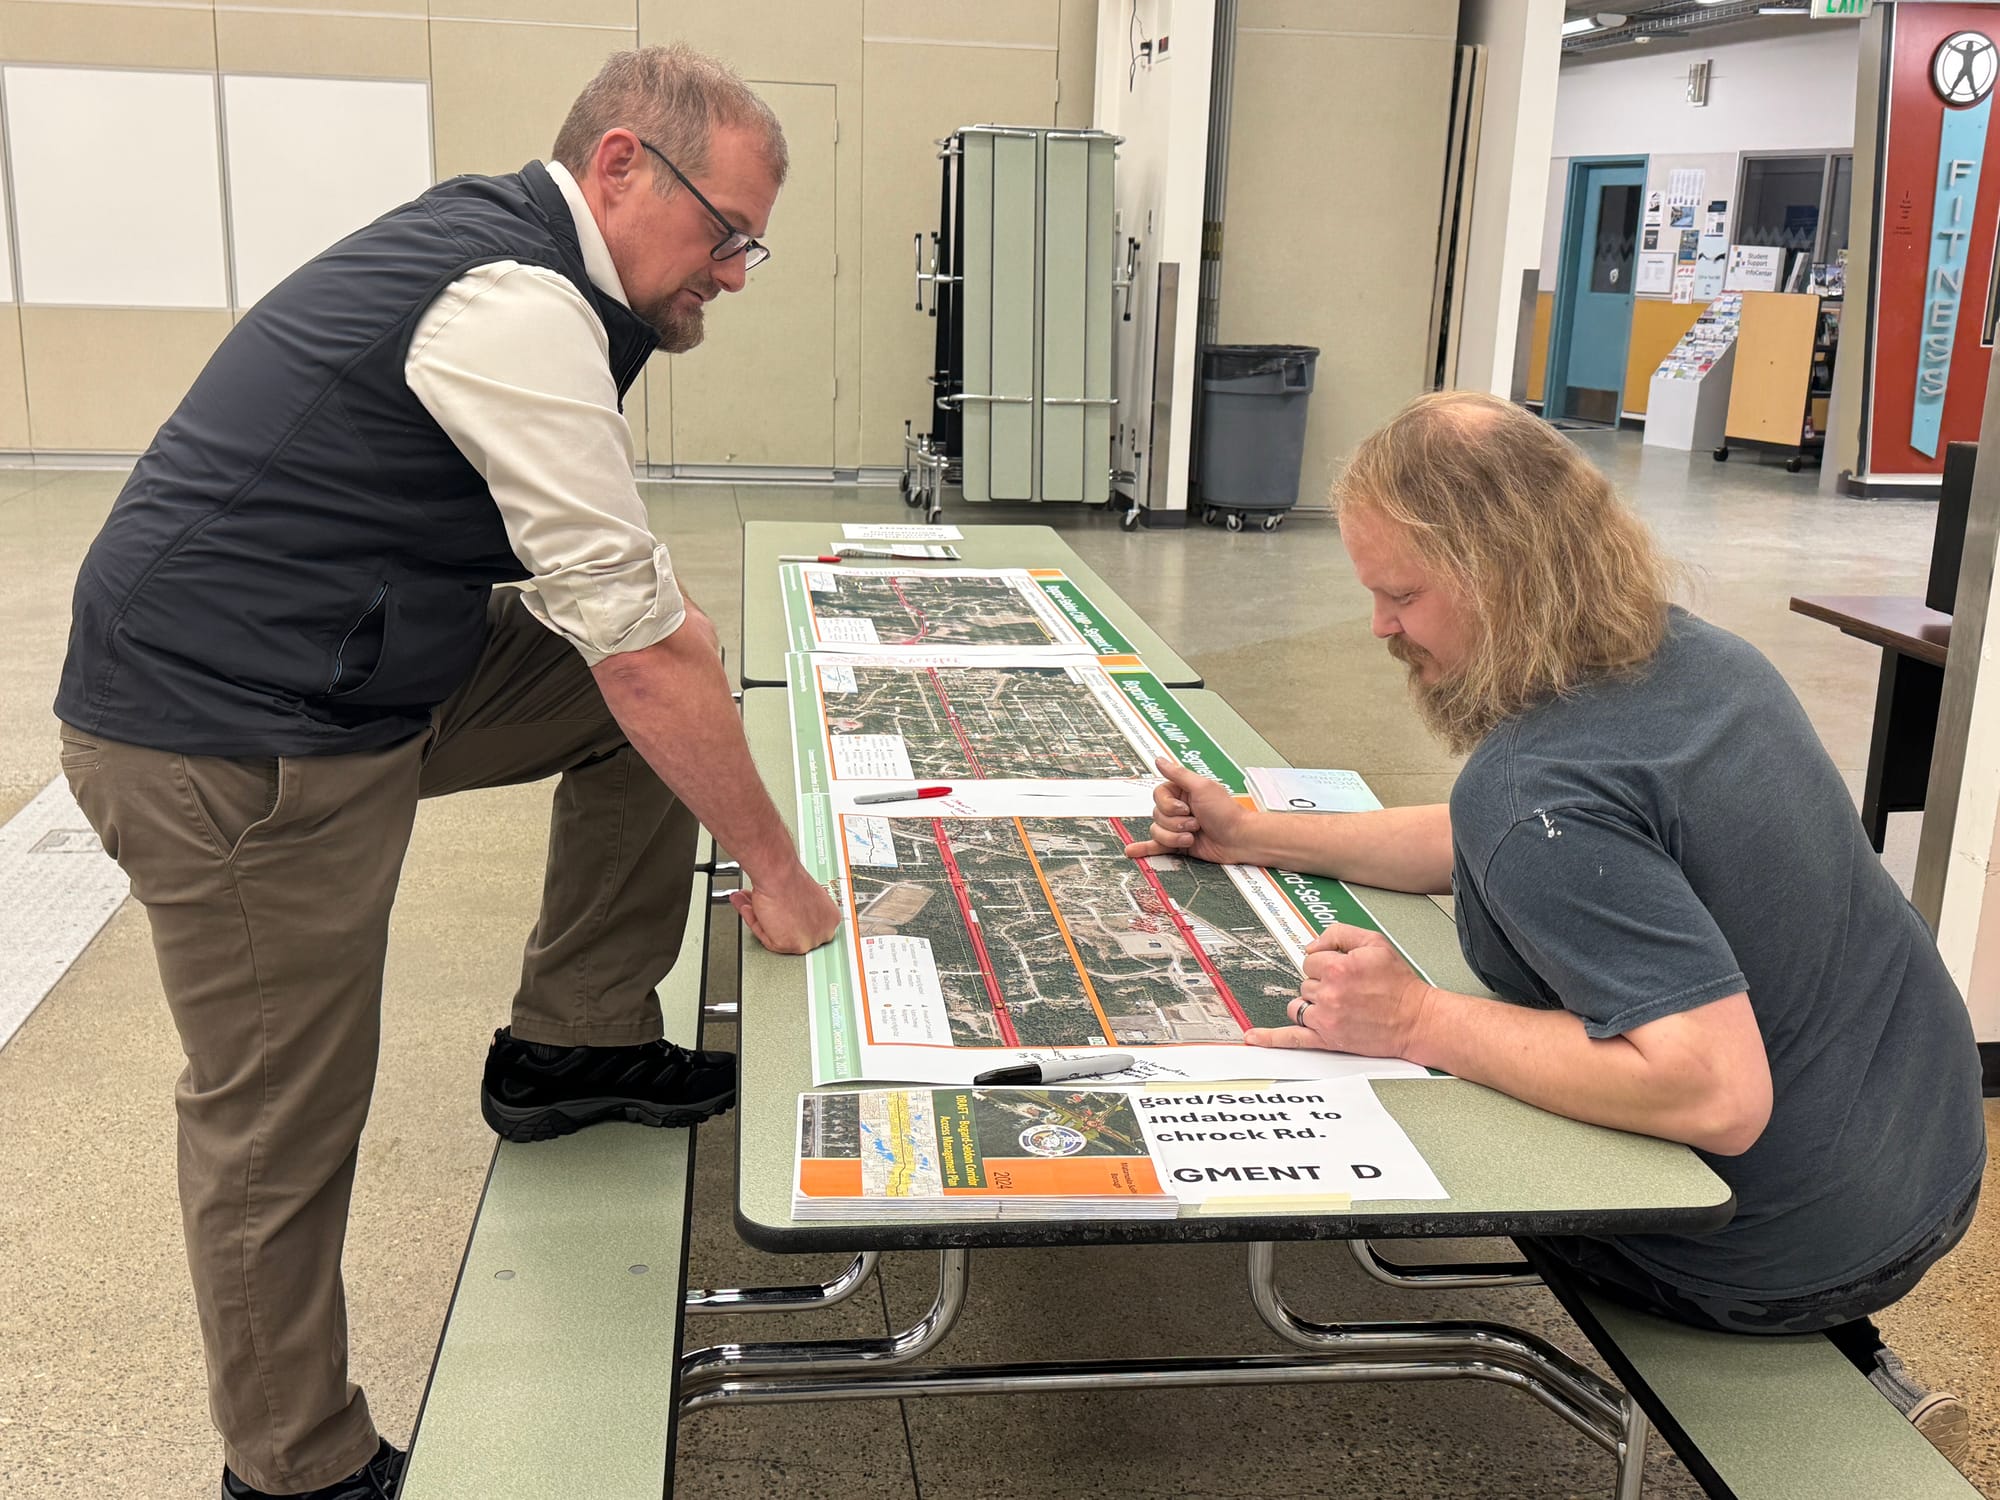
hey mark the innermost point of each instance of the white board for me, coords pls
(310, 160)
(117, 187)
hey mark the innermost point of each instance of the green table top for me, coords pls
(1509, 1167)
(764, 542)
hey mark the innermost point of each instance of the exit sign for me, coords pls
(1824, 9)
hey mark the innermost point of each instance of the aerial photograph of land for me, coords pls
(935, 609)
(1045, 934)
(986, 723)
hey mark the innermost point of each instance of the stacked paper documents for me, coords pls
(975, 1154)
(935, 1154)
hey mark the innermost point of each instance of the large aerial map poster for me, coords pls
(1015, 611)
(998, 731)
(973, 942)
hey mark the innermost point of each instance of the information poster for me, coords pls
(977, 943)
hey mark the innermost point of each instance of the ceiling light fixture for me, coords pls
(1577, 26)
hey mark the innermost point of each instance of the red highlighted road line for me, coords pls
(923, 620)
(1187, 933)
(964, 741)
(1000, 1016)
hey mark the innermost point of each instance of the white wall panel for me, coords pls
(313, 159)
(117, 187)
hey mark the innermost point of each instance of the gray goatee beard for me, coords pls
(679, 331)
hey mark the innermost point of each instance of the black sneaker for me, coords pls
(533, 1092)
(378, 1479)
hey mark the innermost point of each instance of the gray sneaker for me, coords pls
(1938, 1415)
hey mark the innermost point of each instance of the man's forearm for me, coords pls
(1545, 1058)
(1397, 849)
(673, 702)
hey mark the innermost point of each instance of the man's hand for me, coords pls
(1196, 817)
(1359, 995)
(793, 916)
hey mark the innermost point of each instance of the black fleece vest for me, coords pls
(299, 565)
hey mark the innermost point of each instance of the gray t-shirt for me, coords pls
(1656, 842)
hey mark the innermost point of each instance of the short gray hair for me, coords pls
(672, 97)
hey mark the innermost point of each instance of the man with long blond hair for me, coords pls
(1660, 873)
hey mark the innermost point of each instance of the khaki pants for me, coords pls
(268, 884)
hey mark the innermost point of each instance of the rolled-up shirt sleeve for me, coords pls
(513, 364)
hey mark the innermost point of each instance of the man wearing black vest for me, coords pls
(289, 631)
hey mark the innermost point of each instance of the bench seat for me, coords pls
(557, 1370)
(1762, 1417)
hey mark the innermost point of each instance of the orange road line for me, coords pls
(1089, 989)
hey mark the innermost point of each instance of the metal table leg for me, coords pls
(1478, 1351)
(769, 1299)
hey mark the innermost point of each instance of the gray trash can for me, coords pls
(1253, 430)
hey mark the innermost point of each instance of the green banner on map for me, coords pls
(1172, 721)
(1103, 637)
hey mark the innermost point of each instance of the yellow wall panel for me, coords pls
(778, 41)
(500, 92)
(373, 7)
(621, 14)
(1538, 351)
(1656, 328)
(1350, 17)
(1369, 114)
(1015, 22)
(917, 95)
(759, 389)
(1076, 64)
(782, 41)
(322, 46)
(13, 382)
(101, 380)
(120, 36)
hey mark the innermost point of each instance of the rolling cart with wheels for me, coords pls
(1253, 431)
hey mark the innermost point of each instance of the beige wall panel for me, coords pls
(783, 41)
(1076, 64)
(499, 93)
(622, 14)
(13, 383)
(916, 96)
(104, 379)
(759, 390)
(660, 409)
(1353, 17)
(120, 36)
(322, 46)
(1011, 21)
(1369, 115)
(396, 7)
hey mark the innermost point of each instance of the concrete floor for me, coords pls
(101, 1388)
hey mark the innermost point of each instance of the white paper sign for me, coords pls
(905, 999)
(1754, 268)
(859, 533)
(1684, 187)
(877, 757)
(1290, 1140)
(847, 630)
(1291, 789)
(1656, 272)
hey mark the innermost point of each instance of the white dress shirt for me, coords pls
(513, 363)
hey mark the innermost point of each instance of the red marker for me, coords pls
(813, 559)
(915, 794)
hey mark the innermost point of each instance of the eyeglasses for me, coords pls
(734, 242)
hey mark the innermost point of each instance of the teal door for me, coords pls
(1593, 313)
